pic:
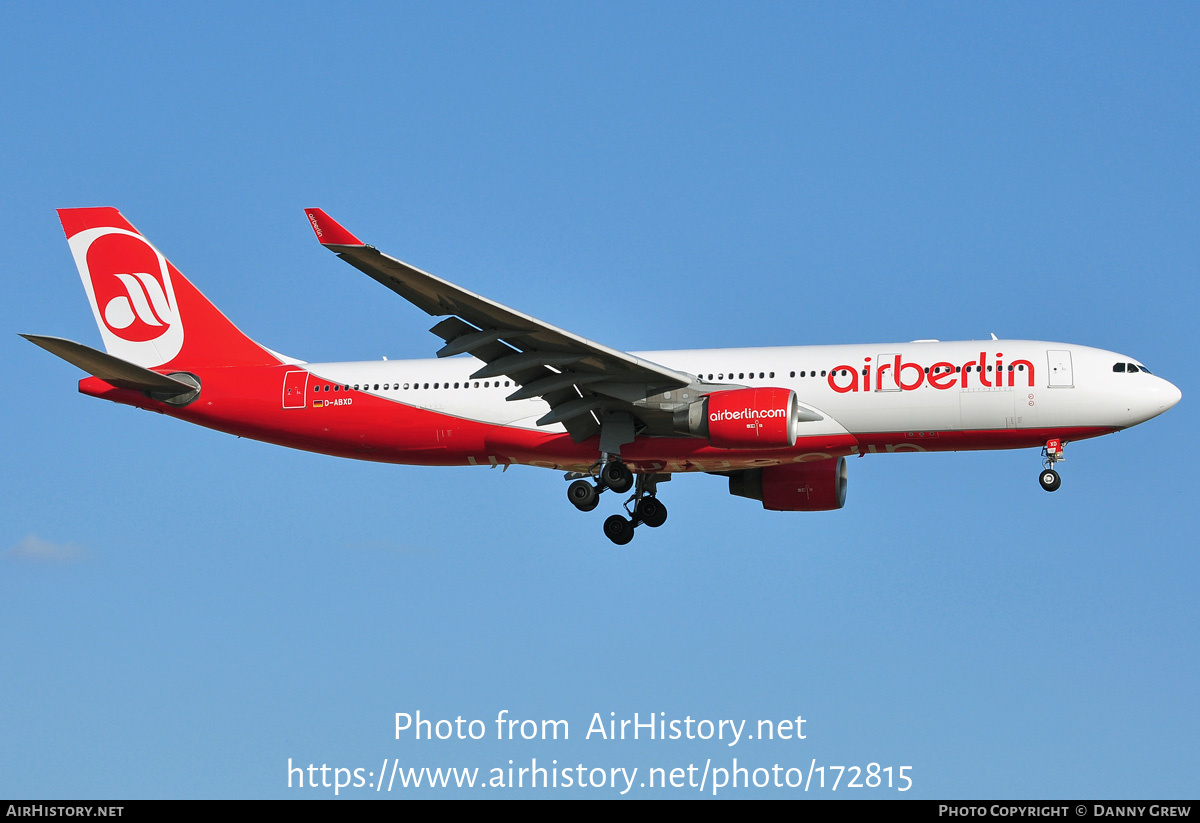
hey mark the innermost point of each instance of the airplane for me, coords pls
(507, 389)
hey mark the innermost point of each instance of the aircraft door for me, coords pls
(1059, 363)
(886, 376)
(295, 384)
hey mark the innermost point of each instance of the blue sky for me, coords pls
(184, 611)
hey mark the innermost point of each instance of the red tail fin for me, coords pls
(149, 313)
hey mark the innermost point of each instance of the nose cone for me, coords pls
(1154, 399)
(1171, 395)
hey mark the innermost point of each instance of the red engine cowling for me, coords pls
(794, 487)
(744, 418)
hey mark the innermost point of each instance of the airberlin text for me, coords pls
(747, 414)
(895, 374)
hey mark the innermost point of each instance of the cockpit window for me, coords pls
(1120, 367)
(1146, 370)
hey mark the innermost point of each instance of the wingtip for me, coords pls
(329, 231)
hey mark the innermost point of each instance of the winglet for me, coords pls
(329, 231)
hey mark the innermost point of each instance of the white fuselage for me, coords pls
(861, 388)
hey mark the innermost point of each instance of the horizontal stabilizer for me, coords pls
(114, 370)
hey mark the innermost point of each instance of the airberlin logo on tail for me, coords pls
(141, 313)
(893, 374)
(128, 283)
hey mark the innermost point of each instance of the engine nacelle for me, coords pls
(743, 418)
(794, 487)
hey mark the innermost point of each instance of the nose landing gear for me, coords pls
(1052, 452)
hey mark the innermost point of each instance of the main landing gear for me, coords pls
(1052, 452)
(613, 474)
(642, 507)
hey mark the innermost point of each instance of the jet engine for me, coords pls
(794, 487)
(743, 418)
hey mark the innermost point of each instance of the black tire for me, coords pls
(651, 511)
(617, 476)
(1050, 480)
(583, 495)
(618, 529)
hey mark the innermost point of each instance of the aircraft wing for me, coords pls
(579, 379)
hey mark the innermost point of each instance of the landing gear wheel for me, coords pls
(617, 476)
(1050, 480)
(618, 529)
(651, 512)
(583, 495)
